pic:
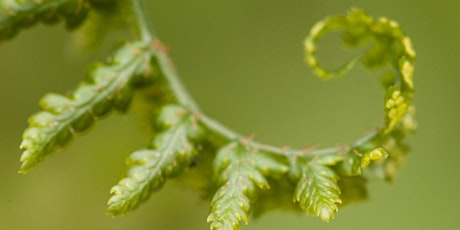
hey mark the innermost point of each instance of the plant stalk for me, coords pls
(180, 93)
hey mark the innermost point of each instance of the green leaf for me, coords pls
(240, 172)
(15, 15)
(110, 86)
(317, 191)
(170, 152)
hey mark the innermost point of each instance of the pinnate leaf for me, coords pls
(170, 152)
(110, 86)
(317, 191)
(240, 173)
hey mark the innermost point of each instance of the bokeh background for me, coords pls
(242, 60)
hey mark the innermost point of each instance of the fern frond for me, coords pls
(15, 15)
(240, 172)
(110, 86)
(170, 152)
(318, 180)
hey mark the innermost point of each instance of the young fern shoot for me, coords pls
(245, 173)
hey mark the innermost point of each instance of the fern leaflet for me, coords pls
(239, 172)
(317, 191)
(110, 86)
(170, 152)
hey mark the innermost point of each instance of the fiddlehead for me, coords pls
(245, 172)
(388, 46)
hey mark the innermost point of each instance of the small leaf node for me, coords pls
(355, 161)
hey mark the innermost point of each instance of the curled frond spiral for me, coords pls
(388, 46)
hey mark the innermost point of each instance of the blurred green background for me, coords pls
(242, 60)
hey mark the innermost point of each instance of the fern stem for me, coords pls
(181, 94)
(177, 88)
(171, 76)
(185, 99)
(142, 22)
(165, 63)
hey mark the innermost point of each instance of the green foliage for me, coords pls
(248, 177)
(109, 86)
(240, 171)
(169, 153)
(317, 191)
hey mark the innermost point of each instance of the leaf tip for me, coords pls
(325, 213)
